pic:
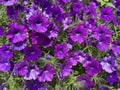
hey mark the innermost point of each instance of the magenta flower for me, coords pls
(46, 73)
(86, 81)
(78, 33)
(32, 53)
(61, 51)
(16, 33)
(38, 22)
(93, 68)
(6, 51)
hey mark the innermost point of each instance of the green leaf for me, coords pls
(106, 0)
(110, 4)
(102, 2)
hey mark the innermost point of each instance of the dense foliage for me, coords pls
(59, 44)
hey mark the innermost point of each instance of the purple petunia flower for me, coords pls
(102, 31)
(117, 4)
(106, 14)
(22, 68)
(112, 78)
(81, 56)
(65, 70)
(29, 72)
(109, 64)
(103, 43)
(93, 68)
(38, 22)
(73, 58)
(44, 4)
(116, 47)
(8, 2)
(19, 45)
(61, 51)
(46, 73)
(36, 85)
(1, 31)
(32, 53)
(12, 13)
(57, 13)
(88, 59)
(66, 22)
(78, 33)
(86, 81)
(32, 73)
(52, 31)
(16, 33)
(4, 65)
(76, 7)
(40, 38)
(6, 51)
(64, 1)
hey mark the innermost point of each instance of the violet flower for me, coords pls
(38, 22)
(16, 33)
(32, 53)
(109, 64)
(78, 33)
(86, 81)
(61, 51)
(46, 73)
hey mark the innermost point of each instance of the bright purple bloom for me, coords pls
(22, 68)
(64, 1)
(86, 81)
(16, 33)
(103, 43)
(65, 70)
(6, 51)
(35, 85)
(44, 4)
(92, 9)
(4, 65)
(66, 22)
(116, 47)
(113, 78)
(32, 53)
(76, 7)
(109, 64)
(81, 56)
(57, 13)
(101, 31)
(78, 33)
(29, 72)
(117, 4)
(12, 13)
(19, 45)
(1, 31)
(93, 68)
(38, 22)
(106, 14)
(46, 73)
(40, 38)
(32, 73)
(8, 2)
(52, 31)
(61, 51)
(73, 58)
(88, 59)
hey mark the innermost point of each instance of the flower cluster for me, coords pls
(56, 39)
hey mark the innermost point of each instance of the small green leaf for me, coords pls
(102, 2)
(110, 4)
